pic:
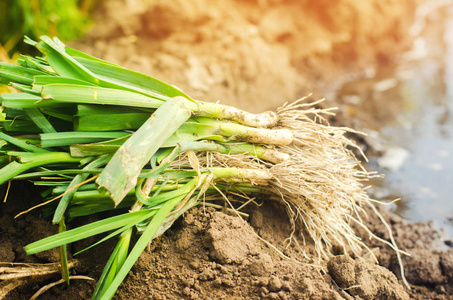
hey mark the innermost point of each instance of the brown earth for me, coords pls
(210, 254)
(250, 54)
(254, 55)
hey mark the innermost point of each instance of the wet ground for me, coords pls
(407, 106)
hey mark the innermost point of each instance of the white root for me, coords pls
(208, 109)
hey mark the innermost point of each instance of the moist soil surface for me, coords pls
(254, 55)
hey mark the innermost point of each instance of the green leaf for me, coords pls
(162, 197)
(108, 75)
(63, 255)
(38, 118)
(94, 208)
(110, 122)
(24, 100)
(62, 113)
(145, 238)
(115, 261)
(71, 93)
(59, 139)
(57, 172)
(121, 173)
(72, 188)
(20, 126)
(25, 88)
(63, 63)
(129, 79)
(86, 231)
(17, 74)
(88, 110)
(34, 160)
(34, 63)
(21, 144)
(93, 149)
(42, 80)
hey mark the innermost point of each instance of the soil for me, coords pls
(254, 55)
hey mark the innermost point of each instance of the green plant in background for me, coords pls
(66, 18)
(104, 138)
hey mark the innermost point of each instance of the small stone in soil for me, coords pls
(274, 284)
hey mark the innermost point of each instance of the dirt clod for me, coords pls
(229, 240)
(274, 284)
(342, 270)
(6, 252)
(375, 282)
(262, 265)
(365, 280)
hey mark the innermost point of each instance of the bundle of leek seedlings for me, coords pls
(103, 138)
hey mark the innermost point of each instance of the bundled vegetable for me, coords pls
(103, 138)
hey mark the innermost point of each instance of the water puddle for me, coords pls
(408, 108)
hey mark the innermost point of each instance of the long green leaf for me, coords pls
(24, 100)
(42, 80)
(88, 230)
(58, 172)
(79, 54)
(124, 76)
(88, 110)
(130, 79)
(71, 93)
(110, 235)
(39, 159)
(21, 144)
(17, 74)
(59, 139)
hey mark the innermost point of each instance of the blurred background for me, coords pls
(68, 19)
(387, 65)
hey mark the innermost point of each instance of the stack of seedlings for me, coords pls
(104, 138)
